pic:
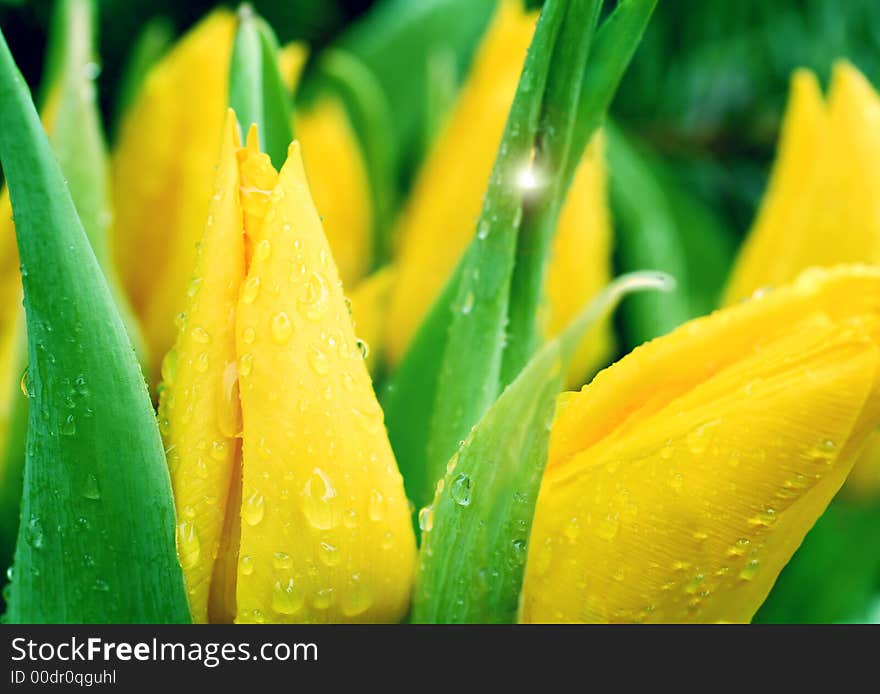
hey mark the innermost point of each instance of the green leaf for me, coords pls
(452, 372)
(256, 89)
(475, 534)
(663, 226)
(96, 542)
(78, 142)
(834, 575)
(577, 100)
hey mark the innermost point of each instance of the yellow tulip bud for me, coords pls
(440, 216)
(290, 504)
(683, 478)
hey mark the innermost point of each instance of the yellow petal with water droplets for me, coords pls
(340, 187)
(199, 409)
(325, 533)
(163, 171)
(578, 268)
(683, 478)
(369, 309)
(441, 213)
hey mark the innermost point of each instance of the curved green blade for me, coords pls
(96, 542)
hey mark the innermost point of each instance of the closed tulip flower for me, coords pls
(683, 478)
(290, 504)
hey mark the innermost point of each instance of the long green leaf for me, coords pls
(476, 532)
(96, 542)
(578, 98)
(78, 141)
(451, 371)
(256, 90)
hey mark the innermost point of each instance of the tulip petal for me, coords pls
(683, 478)
(325, 532)
(199, 412)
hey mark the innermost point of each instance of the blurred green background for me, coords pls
(694, 132)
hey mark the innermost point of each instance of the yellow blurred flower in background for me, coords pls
(683, 478)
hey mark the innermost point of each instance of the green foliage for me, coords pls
(96, 542)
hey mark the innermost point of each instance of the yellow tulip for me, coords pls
(162, 171)
(683, 478)
(822, 205)
(290, 504)
(440, 216)
(340, 187)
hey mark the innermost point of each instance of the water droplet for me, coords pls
(254, 509)
(281, 328)
(608, 526)
(200, 335)
(245, 364)
(68, 426)
(91, 490)
(286, 597)
(188, 546)
(323, 599)
(250, 290)
(764, 518)
(750, 570)
(281, 561)
(194, 285)
(248, 335)
(376, 506)
(329, 553)
(460, 490)
(34, 533)
(202, 362)
(483, 229)
(363, 348)
(219, 449)
(229, 403)
(426, 519)
(356, 598)
(467, 304)
(263, 250)
(246, 565)
(319, 500)
(518, 551)
(314, 301)
(739, 548)
(318, 360)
